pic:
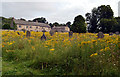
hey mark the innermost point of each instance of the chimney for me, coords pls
(11, 25)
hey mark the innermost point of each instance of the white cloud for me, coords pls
(53, 10)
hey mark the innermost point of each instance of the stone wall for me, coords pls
(32, 28)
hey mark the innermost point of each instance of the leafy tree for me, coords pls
(117, 27)
(6, 26)
(29, 20)
(93, 19)
(22, 19)
(68, 24)
(51, 25)
(108, 25)
(78, 25)
(62, 24)
(6, 23)
(56, 24)
(40, 20)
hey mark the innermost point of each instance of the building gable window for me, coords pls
(30, 26)
(26, 26)
(37, 27)
(19, 26)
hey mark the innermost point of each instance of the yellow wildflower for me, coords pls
(46, 46)
(107, 48)
(3, 46)
(93, 41)
(88, 42)
(33, 47)
(94, 54)
(29, 41)
(52, 49)
(102, 50)
(10, 43)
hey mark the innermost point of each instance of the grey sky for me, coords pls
(53, 10)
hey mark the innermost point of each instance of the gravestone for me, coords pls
(43, 37)
(117, 33)
(28, 34)
(111, 33)
(70, 34)
(100, 35)
(52, 32)
(18, 33)
(23, 31)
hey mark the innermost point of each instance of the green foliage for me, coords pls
(40, 20)
(21, 59)
(117, 27)
(6, 23)
(94, 18)
(108, 25)
(105, 12)
(6, 26)
(51, 25)
(55, 24)
(78, 25)
(68, 24)
(22, 19)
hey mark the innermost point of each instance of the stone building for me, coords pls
(31, 26)
(61, 28)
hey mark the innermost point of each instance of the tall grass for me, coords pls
(61, 55)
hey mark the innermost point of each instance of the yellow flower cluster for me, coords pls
(52, 49)
(94, 54)
(60, 41)
(106, 49)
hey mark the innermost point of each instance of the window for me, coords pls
(19, 26)
(36, 27)
(30, 26)
(26, 26)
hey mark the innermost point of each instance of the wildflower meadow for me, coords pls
(81, 54)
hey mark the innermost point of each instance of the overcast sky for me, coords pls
(53, 10)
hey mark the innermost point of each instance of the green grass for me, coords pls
(13, 68)
(68, 58)
(0, 66)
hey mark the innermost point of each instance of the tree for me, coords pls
(68, 24)
(51, 25)
(62, 24)
(6, 26)
(40, 20)
(29, 20)
(117, 27)
(6, 23)
(93, 19)
(78, 25)
(55, 24)
(108, 25)
(22, 19)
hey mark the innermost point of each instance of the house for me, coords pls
(31, 26)
(61, 29)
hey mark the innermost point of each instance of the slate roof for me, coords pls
(59, 28)
(21, 22)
